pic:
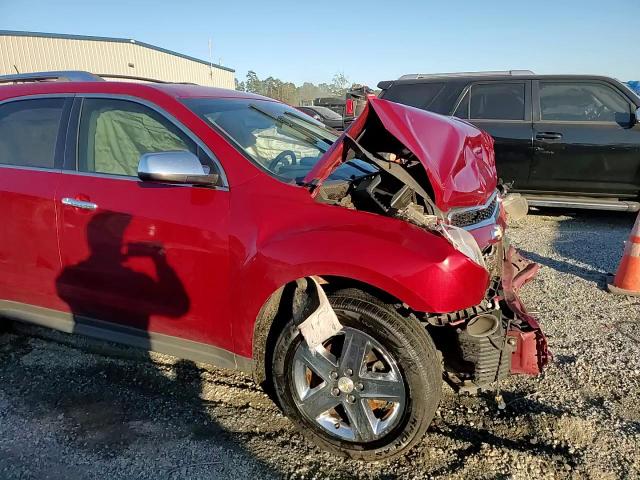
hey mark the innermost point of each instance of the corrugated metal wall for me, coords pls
(36, 54)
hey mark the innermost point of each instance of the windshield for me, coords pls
(277, 137)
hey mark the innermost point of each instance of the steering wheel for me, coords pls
(281, 158)
(601, 112)
(595, 112)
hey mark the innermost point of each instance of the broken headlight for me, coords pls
(463, 242)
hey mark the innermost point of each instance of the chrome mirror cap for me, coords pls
(174, 167)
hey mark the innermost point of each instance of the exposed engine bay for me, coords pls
(482, 344)
(398, 187)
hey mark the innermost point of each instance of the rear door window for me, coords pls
(29, 131)
(114, 133)
(497, 101)
(582, 102)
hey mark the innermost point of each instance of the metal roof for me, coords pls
(66, 36)
(417, 76)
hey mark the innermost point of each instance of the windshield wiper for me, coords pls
(296, 126)
(320, 127)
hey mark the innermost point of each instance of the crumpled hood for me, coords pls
(458, 157)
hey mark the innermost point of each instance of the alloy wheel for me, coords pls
(350, 386)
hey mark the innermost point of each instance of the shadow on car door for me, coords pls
(142, 255)
(31, 146)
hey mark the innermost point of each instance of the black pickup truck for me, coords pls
(561, 140)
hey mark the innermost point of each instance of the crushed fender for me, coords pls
(323, 322)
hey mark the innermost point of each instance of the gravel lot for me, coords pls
(76, 408)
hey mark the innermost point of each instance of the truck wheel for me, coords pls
(369, 392)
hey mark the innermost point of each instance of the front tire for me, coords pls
(369, 392)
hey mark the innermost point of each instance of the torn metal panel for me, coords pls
(322, 323)
(458, 157)
(532, 353)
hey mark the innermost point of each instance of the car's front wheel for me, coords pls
(369, 392)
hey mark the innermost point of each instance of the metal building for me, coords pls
(35, 52)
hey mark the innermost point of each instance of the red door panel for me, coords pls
(145, 255)
(29, 258)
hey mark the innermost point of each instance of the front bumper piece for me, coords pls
(511, 340)
(531, 353)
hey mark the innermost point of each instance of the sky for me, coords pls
(367, 41)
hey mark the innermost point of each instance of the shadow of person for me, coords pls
(126, 284)
(103, 287)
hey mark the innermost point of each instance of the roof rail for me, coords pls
(417, 76)
(129, 77)
(142, 79)
(62, 76)
(74, 76)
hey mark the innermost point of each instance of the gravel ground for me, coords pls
(75, 408)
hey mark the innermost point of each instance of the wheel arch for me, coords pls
(280, 306)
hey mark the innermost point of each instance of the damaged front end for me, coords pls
(486, 343)
(439, 174)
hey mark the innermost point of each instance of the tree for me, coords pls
(253, 83)
(307, 92)
(339, 84)
(271, 87)
(289, 93)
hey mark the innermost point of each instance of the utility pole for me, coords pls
(210, 58)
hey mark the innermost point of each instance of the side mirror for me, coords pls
(174, 167)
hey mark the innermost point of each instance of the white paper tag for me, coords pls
(322, 324)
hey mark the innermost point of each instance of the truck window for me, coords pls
(582, 102)
(497, 101)
(419, 95)
(463, 108)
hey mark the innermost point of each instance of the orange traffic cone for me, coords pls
(627, 279)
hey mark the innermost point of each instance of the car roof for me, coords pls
(121, 87)
(480, 76)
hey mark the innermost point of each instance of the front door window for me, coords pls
(114, 134)
(582, 102)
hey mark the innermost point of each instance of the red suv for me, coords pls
(349, 274)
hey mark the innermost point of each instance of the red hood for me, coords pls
(458, 158)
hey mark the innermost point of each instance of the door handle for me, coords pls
(548, 136)
(72, 202)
